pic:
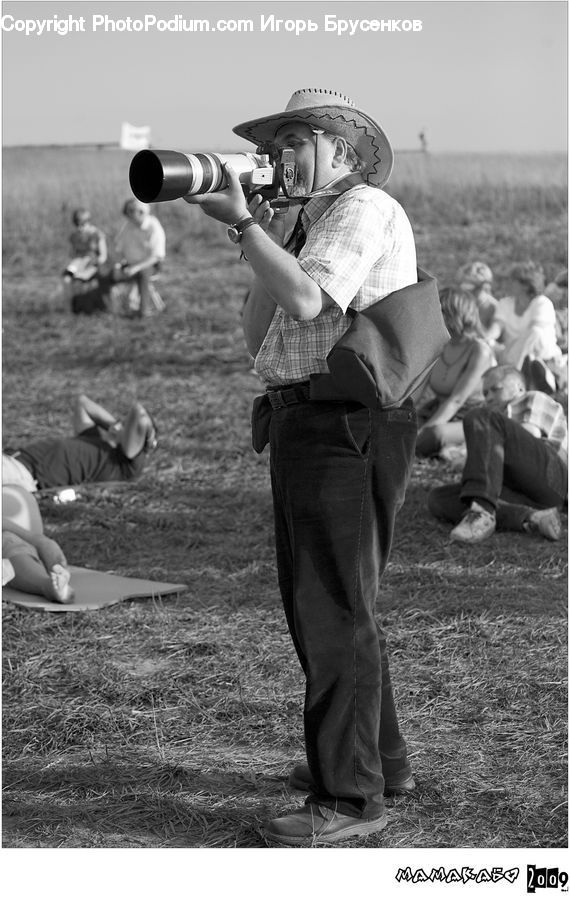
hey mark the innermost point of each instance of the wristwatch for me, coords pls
(235, 231)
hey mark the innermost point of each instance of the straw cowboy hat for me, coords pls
(336, 114)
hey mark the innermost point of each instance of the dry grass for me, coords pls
(174, 723)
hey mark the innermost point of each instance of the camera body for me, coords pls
(159, 175)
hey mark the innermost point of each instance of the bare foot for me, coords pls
(62, 592)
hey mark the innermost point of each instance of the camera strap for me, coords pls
(297, 239)
(338, 187)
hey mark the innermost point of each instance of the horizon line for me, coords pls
(113, 145)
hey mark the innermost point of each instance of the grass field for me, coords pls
(175, 723)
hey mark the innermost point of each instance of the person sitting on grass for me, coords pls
(141, 248)
(524, 327)
(101, 449)
(89, 252)
(516, 472)
(455, 381)
(32, 562)
(477, 278)
(557, 290)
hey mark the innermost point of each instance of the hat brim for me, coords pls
(356, 127)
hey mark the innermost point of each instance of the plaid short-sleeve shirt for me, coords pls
(537, 408)
(358, 250)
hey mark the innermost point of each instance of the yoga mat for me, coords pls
(94, 590)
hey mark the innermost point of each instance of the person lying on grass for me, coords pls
(34, 563)
(516, 471)
(101, 449)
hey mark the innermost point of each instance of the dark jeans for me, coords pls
(512, 509)
(501, 452)
(339, 473)
(142, 279)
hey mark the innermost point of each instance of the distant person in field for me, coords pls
(524, 327)
(32, 562)
(140, 249)
(516, 471)
(455, 382)
(89, 253)
(101, 449)
(477, 278)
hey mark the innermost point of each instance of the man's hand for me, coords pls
(277, 223)
(261, 211)
(227, 206)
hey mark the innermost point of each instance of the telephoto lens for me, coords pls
(157, 175)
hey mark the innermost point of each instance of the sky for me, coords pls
(474, 75)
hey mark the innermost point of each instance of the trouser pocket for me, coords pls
(357, 424)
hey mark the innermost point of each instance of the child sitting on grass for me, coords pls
(83, 287)
(88, 248)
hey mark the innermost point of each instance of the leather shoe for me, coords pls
(400, 783)
(315, 824)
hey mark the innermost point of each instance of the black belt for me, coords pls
(280, 396)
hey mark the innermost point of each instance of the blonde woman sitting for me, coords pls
(477, 279)
(455, 382)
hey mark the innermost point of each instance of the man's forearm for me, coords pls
(145, 264)
(281, 275)
(95, 411)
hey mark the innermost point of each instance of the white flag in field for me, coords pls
(135, 137)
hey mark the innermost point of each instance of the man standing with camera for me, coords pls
(339, 469)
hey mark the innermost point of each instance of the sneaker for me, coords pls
(546, 522)
(476, 525)
(400, 783)
(315, 824)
